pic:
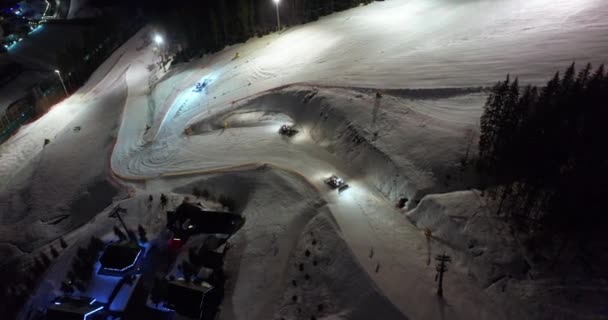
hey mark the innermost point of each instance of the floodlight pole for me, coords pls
(276, 2)
(160, 42)
(62, 82)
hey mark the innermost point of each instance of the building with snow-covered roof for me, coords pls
(120, 258)
(199, 300)
(125, 295)
(189, 219)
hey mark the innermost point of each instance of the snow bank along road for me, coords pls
(387, 45)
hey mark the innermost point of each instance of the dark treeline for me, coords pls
(546, 149)
(80, 58)
(210, 25)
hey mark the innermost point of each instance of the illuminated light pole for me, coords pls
(158, 39)
(62, 83)
(276, 2)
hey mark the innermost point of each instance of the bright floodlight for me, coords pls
(62, 83)
(158, 39)
(276, 2)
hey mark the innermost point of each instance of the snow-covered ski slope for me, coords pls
(394, 44)
(437, 43)
(386, 45)
(415, 44)
(433, 43)
(391, 44)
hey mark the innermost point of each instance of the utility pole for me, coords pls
(116, 214)
(442, 261)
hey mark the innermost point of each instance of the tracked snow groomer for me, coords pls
(288, 131)
(336, 183)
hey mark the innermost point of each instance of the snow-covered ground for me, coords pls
(323, 77)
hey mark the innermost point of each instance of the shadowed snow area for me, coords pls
(385, 140)
(387, 96)
(69, 178)
(325, 281)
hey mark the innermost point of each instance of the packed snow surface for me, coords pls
(322, 77)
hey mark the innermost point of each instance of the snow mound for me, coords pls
(325, 281)
(244, 119)
(480, 240)
(385, 139)
(67, 182)
(555, 299)
(276, 205)
(281, 211)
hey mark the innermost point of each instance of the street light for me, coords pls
(62, 83)
(276, 2)
(159, 40)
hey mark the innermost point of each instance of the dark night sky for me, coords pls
(7, 3)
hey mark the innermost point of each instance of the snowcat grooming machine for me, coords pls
(288, 131)
(335, 182)
(201, 85)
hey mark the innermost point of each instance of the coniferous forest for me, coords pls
(547, 150)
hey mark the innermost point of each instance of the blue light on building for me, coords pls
(36, 29)
(74, 307)
(127, 267)
(92, 312)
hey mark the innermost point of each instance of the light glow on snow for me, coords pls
(274, 128)
(321, 176)
(210, 78)
(351, 194)
(302, 136)
(391, 19)
(298, 48)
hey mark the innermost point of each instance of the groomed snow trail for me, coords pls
(386, 45)
(394, 44)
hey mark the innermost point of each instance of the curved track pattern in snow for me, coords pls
(386, 45)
